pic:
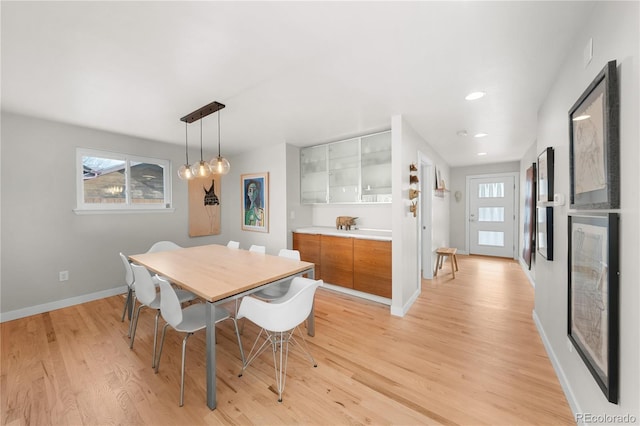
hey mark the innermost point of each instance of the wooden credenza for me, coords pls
(359, 264)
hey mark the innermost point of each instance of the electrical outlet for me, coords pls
(63, 276)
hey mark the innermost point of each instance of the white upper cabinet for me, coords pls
(355, 170)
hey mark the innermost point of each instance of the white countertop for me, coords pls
(366, 234)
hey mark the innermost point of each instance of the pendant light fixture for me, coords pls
(219, 165)
(201, 169)
(184, 172)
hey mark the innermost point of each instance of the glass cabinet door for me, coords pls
(313, 174)
(344, 171)
(376, 167)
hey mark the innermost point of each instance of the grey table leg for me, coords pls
(211, 355)
(311, 319)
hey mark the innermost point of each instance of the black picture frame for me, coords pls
(594, 144)
(544, 238)
(529, 215)
(545, 175)
(593, 302)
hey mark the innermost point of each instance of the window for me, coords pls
(491, 190)
(491, 214)
(112, 181)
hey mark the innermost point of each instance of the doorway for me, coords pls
(491, 215)
(425, 236)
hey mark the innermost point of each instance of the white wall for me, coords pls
(406, 144)
(615, 29)
(42, 235)
(272, 159)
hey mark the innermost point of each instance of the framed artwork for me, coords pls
(593, 296)
(255, 202)
(594, 144)
(544, 239)
(204, 206)
(529, 215)
(545, 175)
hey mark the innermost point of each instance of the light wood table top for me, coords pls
(215, 272)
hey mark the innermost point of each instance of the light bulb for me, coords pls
(201, 169)
(184, 172)
(220, 165)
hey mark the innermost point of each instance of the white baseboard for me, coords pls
(527, 272)
(401, 312)
(59, 304)
(566, 387)
(357, 293)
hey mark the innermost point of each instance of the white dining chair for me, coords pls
(233, 244)
(258, 249)
(148, 296)
(163, 246)
(277, 291)
(130, 301)
(188, 320)
(278, 321)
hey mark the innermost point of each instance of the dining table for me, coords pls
(219, 274)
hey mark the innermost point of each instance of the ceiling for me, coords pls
(303, 73)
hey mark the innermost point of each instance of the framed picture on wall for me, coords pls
(594, 145)
(593, 296)
(544, 238)
(545, 175)
(255, 202)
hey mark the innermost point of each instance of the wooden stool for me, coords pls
(446, 251)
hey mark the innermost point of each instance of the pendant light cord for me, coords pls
(186, 139)
(200, 140)
(218, 134)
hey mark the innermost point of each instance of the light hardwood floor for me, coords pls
(467, 353)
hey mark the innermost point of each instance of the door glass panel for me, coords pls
(491, 214)
(491, 190)
(491, 238)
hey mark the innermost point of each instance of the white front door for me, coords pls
(492, 216)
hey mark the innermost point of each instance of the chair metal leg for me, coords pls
(254, 353)
(303, 346)
(235, 324)
(164, 331)
(126, 305)
(131, 309)
(135, 326)
(155, 340)
(184, 353)
(279, 341)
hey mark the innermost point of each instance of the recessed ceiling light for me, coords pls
(474, 95)
(480, 154)
(461, 133)
(480, 135)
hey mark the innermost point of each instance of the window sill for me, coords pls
(121, 211)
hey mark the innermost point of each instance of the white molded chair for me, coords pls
(147, 296)
(258, 249)
(187, 320)
(233, 244)
(278, 320)
(277, 291)
(163, 246)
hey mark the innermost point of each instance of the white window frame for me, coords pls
(127, 207)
